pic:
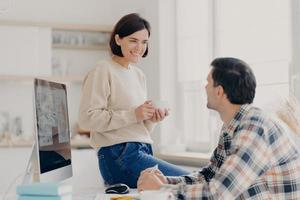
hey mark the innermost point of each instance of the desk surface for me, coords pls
(98, 194)
(83, 194)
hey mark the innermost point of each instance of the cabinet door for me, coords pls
(25, 50)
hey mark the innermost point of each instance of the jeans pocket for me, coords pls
(119, 151)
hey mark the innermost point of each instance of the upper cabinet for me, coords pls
(61, 52)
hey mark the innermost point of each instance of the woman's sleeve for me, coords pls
(94, 114)
(149, 125)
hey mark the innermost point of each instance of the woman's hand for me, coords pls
(144, 111)
(159, 115)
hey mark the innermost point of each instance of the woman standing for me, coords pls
(114, 107)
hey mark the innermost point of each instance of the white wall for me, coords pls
(258, 32)
(295, 71)
(67, 11)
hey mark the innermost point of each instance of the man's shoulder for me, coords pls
(255, 114)
(258, 121)
(254, 120)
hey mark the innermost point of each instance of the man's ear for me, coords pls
(220, 91)
(117, 39)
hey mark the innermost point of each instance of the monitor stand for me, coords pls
(32, 171)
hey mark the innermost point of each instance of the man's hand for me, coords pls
(151, 179)
(144, 111)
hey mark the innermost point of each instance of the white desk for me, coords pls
(91, 193)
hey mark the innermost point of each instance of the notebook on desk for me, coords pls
(133, 194)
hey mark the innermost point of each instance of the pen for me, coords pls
(154, 168)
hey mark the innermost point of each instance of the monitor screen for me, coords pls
(52, 126)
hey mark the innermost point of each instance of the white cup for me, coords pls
(156, 194)
(161, 104)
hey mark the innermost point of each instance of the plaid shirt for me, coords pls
(254, 159)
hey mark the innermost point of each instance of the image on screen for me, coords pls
(52, 125)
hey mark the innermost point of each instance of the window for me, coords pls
(208, 29)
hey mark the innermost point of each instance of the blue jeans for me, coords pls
(123, 163)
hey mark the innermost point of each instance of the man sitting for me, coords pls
(255, 158)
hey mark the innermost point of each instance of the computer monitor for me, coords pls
(51, 154)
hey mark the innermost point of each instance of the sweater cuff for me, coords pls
(132, 116)
(149, 125)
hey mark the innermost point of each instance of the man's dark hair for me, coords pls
(236, 78)
(126, 26)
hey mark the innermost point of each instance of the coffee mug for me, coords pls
(156, 194)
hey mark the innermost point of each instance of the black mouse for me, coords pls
(119, 188)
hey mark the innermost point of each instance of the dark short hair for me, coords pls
(127, 25)
(236, 78)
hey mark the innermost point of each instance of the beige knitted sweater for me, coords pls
(110, 94)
